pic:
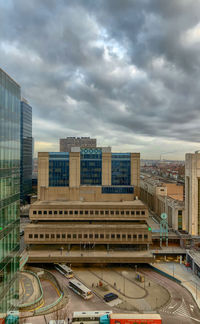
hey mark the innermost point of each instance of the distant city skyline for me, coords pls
(126, 73)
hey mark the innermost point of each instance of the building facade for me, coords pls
(85, 142)
(89, 198)
(26, 160)
(192, 192)
(9, 190)
(166, 198)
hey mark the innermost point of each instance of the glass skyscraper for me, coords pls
(9, 191)
(26, 150)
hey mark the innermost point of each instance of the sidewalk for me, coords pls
(185, 275)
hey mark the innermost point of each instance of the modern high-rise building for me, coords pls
(85, 142)
(10, 94)
(88, 197)
(26, 150)
(192, 192)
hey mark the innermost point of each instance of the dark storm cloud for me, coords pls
(106, 68)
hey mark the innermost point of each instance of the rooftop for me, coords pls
(59, 203)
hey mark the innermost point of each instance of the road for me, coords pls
(182, 307)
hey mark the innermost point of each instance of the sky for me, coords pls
(126, 72)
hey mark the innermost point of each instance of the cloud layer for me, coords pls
(124, 71)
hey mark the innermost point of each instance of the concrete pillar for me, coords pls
(135, 172)
(74, 167)
(106, 169)
(181, 258)
(43, 171)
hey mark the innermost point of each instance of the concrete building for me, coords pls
(163, 197)
(192, 192)
(10, 94)
(26, 161)
(85, 142)
(89, 198)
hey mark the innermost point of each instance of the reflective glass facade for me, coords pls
(117, 190)
(26, 150)
(58, 169)
(121, 169)
(9, 190)
(91, 166)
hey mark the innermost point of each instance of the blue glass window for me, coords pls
(117, 190)
(121, 169)
(91, 167)
(59, 169)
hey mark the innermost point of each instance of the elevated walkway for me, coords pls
(88, 256)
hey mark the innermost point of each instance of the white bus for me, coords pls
(88, 317)
(65, 270)
(80, 289)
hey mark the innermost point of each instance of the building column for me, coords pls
(135, 173)
(106, 169)
(74, 169)
(43, 171)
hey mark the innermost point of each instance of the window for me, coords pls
(121, 169)
(132, 212)
(66, 212)
(60, 212)
(52, 236)
(45, 212)
(55, 212)
(107, 236)
(68, 236)
(140, 236)
(145, 236)
(96, 236)
(91, 212)
(90, 236)
(123, 236)
(30, 236)
(35, 235)
(80, 236)
(47, 236)
(137, 212)
(107, 212)
(34, 212)
(85, 236)
(112, 236)
(117, 212)
(71, 212)
(122, 212)
(41, 235)
(74, 236)
(59, 169)
(96, 212)
(102, 212)
(91, 166)
(63, 236)
(118, 236)
(112, 212)
(39, 212)
(57, 236)
(50, 212)
(143, 212)
(129, 236)
(86, 212)
(127, 212)
(101, 236)
(76, 212)
(134, 236)
(81, 212)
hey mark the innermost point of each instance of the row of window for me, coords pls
(88, 236)
(89, 212)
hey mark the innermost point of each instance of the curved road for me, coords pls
(182, 307)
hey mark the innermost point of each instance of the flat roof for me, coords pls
(10, 77)
(135, 316)
(59, 203)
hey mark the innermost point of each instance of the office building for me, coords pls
(26, 151)
(89, 197)
(164, 197)
(192, 192)
(85, 142)
(9, 190)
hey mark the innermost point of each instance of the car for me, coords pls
(21, 232)
(109, 297)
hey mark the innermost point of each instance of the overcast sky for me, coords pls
(124, 71)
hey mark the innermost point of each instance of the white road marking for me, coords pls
(192, 308)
